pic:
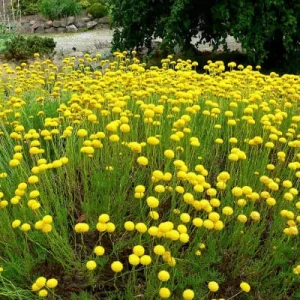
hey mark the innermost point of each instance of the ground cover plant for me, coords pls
(120, 182)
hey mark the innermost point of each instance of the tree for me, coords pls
(269, 30)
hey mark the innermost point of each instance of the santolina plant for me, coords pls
(120, 182)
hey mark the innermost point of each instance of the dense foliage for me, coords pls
(56, 9)
(119, 182)
(97, 10)
(21, 48)
(268, 30)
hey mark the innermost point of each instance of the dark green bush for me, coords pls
(97, 10)
(20, 48)
(268, 30)
(85, 3)
(57, 9)
(26, 7)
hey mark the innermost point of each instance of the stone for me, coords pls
(32, 22)
(56, 23)
(80, 24)
(103, 20)
(37, 25)
(39, 30)
(50, 30)
(70, 20)
(71, 28)
(46, 25)
(50, 23)
(86, 19)
(23, 28)
(61, 29)
(63, 22)
(91, 24)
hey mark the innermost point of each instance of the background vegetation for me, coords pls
(268, 30)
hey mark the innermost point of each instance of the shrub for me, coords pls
(268, 30)
(26, 7)
(5, 35)
(56, 9)
(97, 10)
(85, 3)
(20, 48)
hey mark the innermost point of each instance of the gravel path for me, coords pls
(98, 41)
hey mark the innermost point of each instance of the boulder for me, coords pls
(71, 28)
(103, 20)
(80, 24)
(50, 23)
(61, 29)
(56, 23)
(23, 28)
(46, 25)
(91, 24)
(37, 25)
(50, 30)
(86, 19)
(39, 30)
(70, 20)
(63, 22)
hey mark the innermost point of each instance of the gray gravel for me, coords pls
(98, 41)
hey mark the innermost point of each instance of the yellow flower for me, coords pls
(16, 223)
(82, 133)
(129, 226)
(145, 260)
(41, 282)
(52, 283)
(159, 250)
(142, 161)
(152, 202)
(103, 218)
(188, 294)
(138, 250)
(117, 266)
(164, 293)
(213, 286)
(25, 227)
(245, 287)
(152, 140)
(43, 293)
(81, 227)
(91, 265)
(133, 259)
(99, 250)
(169, 154)
(163, 275)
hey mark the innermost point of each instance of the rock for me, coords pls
(71, 28)
(103, 20)
(46, 25)
(70, 20)
(86, 19)
(50, 23)
(80, 24)
(50, 30)
(91, 24)
(63, 23)
(56, 23)
(61, 29)
(23, 28)
(39, 30)
(32, 22)
(37, 25)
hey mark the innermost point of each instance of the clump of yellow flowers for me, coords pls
(124, 182)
